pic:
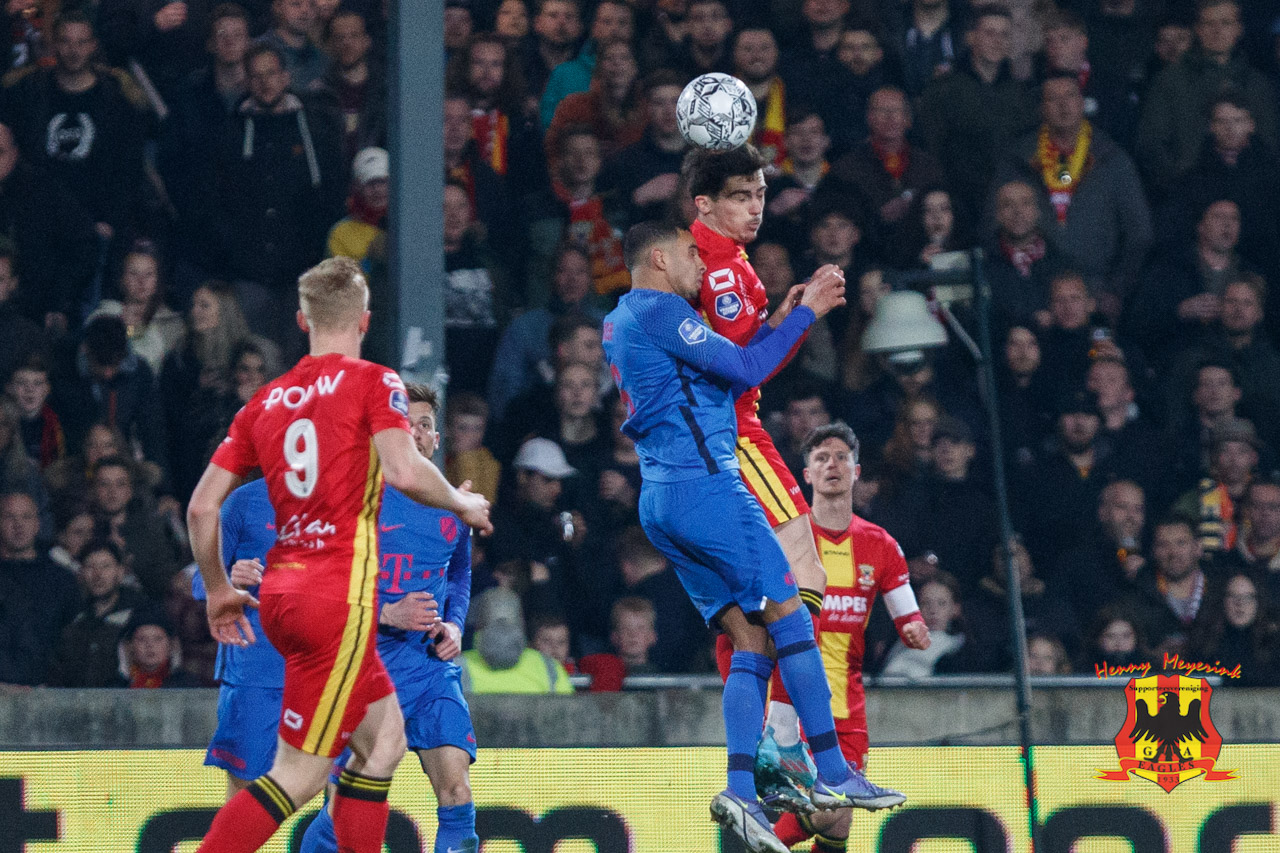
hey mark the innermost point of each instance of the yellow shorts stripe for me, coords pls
(332, 707)
(769, 490)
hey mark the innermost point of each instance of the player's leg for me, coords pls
(244, 743)
(360, 802)
(447, 768)
(438, 725)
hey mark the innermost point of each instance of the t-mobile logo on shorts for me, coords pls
(292, 719)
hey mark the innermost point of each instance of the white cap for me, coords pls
(544, 456)
(370, 165)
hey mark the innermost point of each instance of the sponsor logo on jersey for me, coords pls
(692, 331)
(392, 380)
(296, 395)
(399, 401)
(728, 305)
(721, 280)
(835, 602)
(292, 719)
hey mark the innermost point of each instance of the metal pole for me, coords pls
(414, 309)
(1022, 681)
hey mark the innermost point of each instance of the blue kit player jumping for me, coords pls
(252, 676)
(679, 380)
(424, 589)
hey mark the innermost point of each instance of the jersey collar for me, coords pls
(713, 242)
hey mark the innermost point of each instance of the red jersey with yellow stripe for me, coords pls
(311, 432)
(862, 561)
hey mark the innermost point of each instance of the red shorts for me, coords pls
(332, 672)
(768, 478)
(853, 741)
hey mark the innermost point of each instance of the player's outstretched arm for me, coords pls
(407, 471)
(225, 604)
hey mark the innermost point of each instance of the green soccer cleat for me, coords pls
(784, 775)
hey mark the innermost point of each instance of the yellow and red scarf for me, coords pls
(770, 134)
(588, 228)
(1061, 174)
(492, 131)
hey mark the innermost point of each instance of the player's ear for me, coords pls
(857, 472)
(658, 258)
(702, 203)
(807, 478)
(302, 322)
(364, 322)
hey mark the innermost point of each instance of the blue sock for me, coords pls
(457, 832)
(743, 706)
(319, 837)
(800, 664)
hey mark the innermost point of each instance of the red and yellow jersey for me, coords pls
(311, 432)
(861, 561)
(733, 300)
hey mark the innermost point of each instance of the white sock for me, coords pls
(785, 722)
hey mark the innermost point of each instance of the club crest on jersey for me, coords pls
(399, 401)
(728, 305)
(448, 528)
(692, 331)
(721, 279)
(866, 575)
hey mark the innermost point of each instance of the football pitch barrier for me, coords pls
(128, 776)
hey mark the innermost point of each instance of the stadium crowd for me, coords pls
(168, 169)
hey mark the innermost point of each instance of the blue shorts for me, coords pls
(435, 714)
(248, 724)
(715, 534)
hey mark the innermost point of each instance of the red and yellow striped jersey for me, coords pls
(311, 432)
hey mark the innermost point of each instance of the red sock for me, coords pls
(790, 831)
(248, 819)
(724, 655)
(360, 812)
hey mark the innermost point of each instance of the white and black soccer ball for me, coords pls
(716, 111)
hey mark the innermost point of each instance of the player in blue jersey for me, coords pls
(679, 380)
(424, 589)
(252, 676)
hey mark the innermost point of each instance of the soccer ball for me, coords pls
(716, 111)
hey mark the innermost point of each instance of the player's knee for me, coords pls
(384, 755)
(454, 791)
(833, 824)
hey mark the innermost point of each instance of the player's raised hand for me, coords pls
(246, 573)
(227, 622)
(825, 290)
(448, 637)
(417, 611)
(791, 300)
(473, 509)
(915, 635)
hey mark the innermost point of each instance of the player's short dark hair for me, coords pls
(421, 392)
(835, 429)
(707, 172)
(644, 236)
(93, 546)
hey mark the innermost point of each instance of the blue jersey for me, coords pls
(679, 379)
(421, 549)
(248, 532)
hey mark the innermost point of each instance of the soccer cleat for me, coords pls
(784, 775)
(747, 821)
(856, 791)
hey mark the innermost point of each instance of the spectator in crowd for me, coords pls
(1258, 544)
(1238, 628)
(908, 454)
(281, 181)
(200, 113)
(835, 230)
(1134, 439)
(805, 411)
(164, 38)
(1215, 398)
(1174, 37)
(557, 27)
(292, 22)
(1021, 262)
(1046, 655)
(613, 22)
(69, 479)
(523, 359)
(1172, 587)
(578, 427)
(755, 62)
(84, 123)
(38, 425)
(18, 472)
(154, 329)
(856, 368)
(213, 406)
(1025, 400)
(1088, 191)
(27, 23)
(466, 457)
(806, 144)
(1115, 640)
(612, 109)
(976, 109)
(366, 217)
(642, 178)
(1103, 564)
(861, 51)
(634, 634)
(1175, 116)
(106, 382)
(1070, 340)
(52, 247)
(21, 338)
(75, 530)
(459, 24)
(21, 649)
(358, 83)
(815, 75)
(952, 649)
(86, 655)
(615, 504)
(817, 356)
(549, 634)
(51, 591)
(929, 43)
(706, 46)
(683, 642)
(487, 191)
(1213, 503)
(511, 20)
(129, 519)
(886, 171)
(475, 293)
(928, 230)
(151, 653)
(500, 662)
